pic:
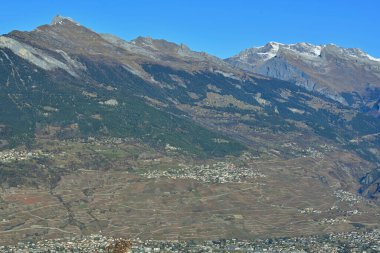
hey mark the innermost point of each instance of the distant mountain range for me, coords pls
(347, 75)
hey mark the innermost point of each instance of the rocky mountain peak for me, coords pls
(60, 20)
(329, 69)
(143, 40)
(272, 44)
(274, 48)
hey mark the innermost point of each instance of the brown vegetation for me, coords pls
(119, 246)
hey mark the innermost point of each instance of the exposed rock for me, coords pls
(336, 72)
(371, 184)
(59, 20)
(37, 56)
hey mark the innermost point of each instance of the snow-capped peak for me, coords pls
(273, 44)
(372, 58)
(271, 49)
(302, 50)
(306, 48)
(357, 53)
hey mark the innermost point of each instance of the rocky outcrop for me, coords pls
(58, 20)
(371, 184)
(40, 58)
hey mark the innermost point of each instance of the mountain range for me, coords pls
(42, 67)
(347, 75)
(167, 120)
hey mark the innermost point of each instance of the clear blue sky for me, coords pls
(219, 27)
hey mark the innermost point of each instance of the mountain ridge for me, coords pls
(169, 71)
(339, 73)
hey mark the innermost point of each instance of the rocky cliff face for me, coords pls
(371, 184)
(347, 75)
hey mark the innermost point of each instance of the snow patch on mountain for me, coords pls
(357, 53)
(327, 69)
(272, 49)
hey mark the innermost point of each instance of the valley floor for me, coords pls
(116, 188)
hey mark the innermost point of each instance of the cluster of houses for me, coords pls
(220, 172)
(17, 155)
(368, 241)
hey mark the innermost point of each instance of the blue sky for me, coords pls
(222, 28)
